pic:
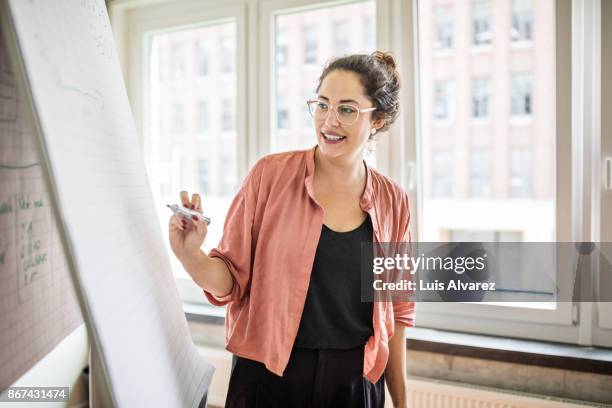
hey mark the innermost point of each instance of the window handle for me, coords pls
(608, 170)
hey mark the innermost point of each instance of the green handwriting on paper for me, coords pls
(32, 262)
(24, 204)
(5, 207)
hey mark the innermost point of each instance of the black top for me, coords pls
(334, 316)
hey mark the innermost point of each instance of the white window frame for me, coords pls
(556, 325)
(396, 154)
(598, 35)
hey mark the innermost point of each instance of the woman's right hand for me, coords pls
(187, 236)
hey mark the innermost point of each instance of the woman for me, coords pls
(288, 262)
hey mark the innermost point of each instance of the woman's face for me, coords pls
(344, 87)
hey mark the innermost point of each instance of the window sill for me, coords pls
(524, 120)
(530, 352)
(536, 353)
(444, 53)
(521, 44)
(204, 313)
(481, 48)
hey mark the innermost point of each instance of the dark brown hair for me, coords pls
(379, 78)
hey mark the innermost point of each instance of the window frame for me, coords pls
(599, 36)
(556, 325)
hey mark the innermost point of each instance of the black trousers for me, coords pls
(313, 378)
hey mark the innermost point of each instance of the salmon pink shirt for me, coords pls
(269, 243)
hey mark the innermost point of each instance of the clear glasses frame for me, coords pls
(312, 108)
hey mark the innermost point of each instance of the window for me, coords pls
(282, 113)
(228, 177)
(443, 26)
(282, 48)
(306, 116)
(480, 173)
(521, 94)
(442, 174)
(190, 107)
(520, 172)
(228, 55)
(481, 22)
(323, 33)
(442, 100)
(201, 117)
(227, 116)
(458, 88)
(369, 32)
(341, 37)
(201, 60)
(522, 20)
(178, 118)
(481, 89)
(203, 177)
(179, 63)
(309, 35)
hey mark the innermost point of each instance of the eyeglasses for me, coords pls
(346, 114)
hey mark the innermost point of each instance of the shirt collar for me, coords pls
(366, 197)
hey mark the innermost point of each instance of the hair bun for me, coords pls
(386, 58)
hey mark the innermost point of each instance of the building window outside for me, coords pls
(201, 60)
(441, 174)
(179, 63)
(282, 49)
(481, 95)
(341, 38)
(522, 20)
(442, 100)
(306, 116)
(520, 172)
(310, 44)
(481, 22)
(282, 112)
(228, 55)
(227, 116)
(228, 178)
(203, 176)
(521, 88)
(178, 118)
(369, 32)
(201, 117)
(480, 173)
(443, 26)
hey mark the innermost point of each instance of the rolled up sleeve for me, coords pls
(237, 245)
(404, 312)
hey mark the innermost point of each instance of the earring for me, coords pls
(373, 131)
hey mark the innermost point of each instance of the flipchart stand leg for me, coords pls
(99, 394)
